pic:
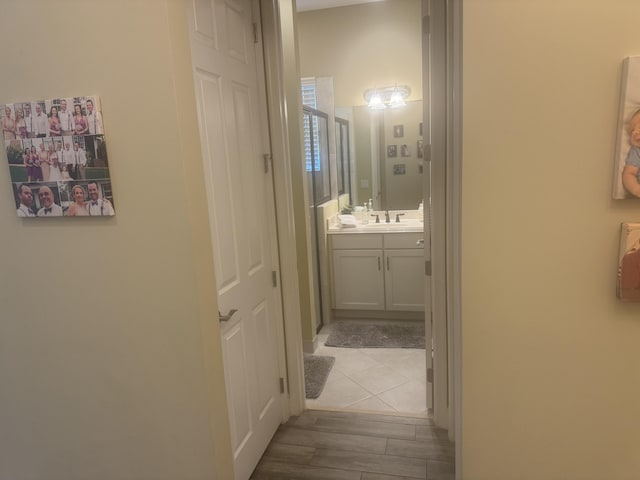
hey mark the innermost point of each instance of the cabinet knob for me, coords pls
(420, 242)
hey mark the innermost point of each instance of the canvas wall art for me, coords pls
(57, 156)
(628, 288)
(626, 171)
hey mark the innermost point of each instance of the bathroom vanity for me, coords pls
(379, 266)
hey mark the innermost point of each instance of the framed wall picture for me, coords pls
(398, 131)
(399, 169)
(57, 156)
(626, 171)
(628, 287)
(392, 151)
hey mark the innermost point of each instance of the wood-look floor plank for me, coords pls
(427, 449)
(272, 470)
(431, 433)
(382, 476)
(368, 416)
(440, 470)
(374, 463)
(365, 427)
(303, 420)
(337, 441)
(289, 453)
(319, 445)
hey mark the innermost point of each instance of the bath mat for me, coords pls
(316, 371)
(383, 335)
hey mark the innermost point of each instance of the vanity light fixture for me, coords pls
(393, 97)
(375, 102)
(396, 100)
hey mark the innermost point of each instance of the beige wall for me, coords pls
(551, 375)
(363, 46)
(107, 365)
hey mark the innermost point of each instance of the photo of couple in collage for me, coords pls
(57, 157)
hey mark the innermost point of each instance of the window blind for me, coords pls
(312, 155)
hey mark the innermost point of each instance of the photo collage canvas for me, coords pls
(57, 157)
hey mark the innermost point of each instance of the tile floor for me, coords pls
(391, 380)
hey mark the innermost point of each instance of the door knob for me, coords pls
(226, 318)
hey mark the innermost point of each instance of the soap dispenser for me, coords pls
(371, 204)
(365, 215)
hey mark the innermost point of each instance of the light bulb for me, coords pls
(375, 102)
(396, 99)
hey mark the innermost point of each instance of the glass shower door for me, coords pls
(316, 148)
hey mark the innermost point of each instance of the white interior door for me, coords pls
(232, 120)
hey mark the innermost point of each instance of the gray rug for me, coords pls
(316, 371)
(355, 334)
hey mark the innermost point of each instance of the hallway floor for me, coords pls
(387, 380)
(324, 445)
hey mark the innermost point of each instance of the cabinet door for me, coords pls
(358, 282)
(404, 279)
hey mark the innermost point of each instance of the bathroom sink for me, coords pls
(387, 225)
(410, 224)
(403, 222)
(405, 225)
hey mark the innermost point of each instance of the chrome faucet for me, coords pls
(386, 217)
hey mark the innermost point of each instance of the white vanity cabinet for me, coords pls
(378, 271)
(404, 271)
(358, 277)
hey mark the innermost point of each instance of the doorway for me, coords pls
(374, 379)
(285, 89)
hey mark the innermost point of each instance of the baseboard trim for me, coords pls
(310, 346)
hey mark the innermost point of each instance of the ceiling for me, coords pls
(305, 5)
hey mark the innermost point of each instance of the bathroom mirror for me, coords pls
(371, 45)
(387, 155)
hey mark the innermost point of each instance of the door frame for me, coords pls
(436, 117)
(285, 111)
(445, 31)
(454, 227)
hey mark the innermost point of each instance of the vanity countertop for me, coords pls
(405, 226)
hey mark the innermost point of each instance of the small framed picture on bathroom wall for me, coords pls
(626, 171)
(628, 287)
(392, 151)
(399, 169)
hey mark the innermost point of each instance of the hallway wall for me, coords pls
(550, 357)
(108, 326)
